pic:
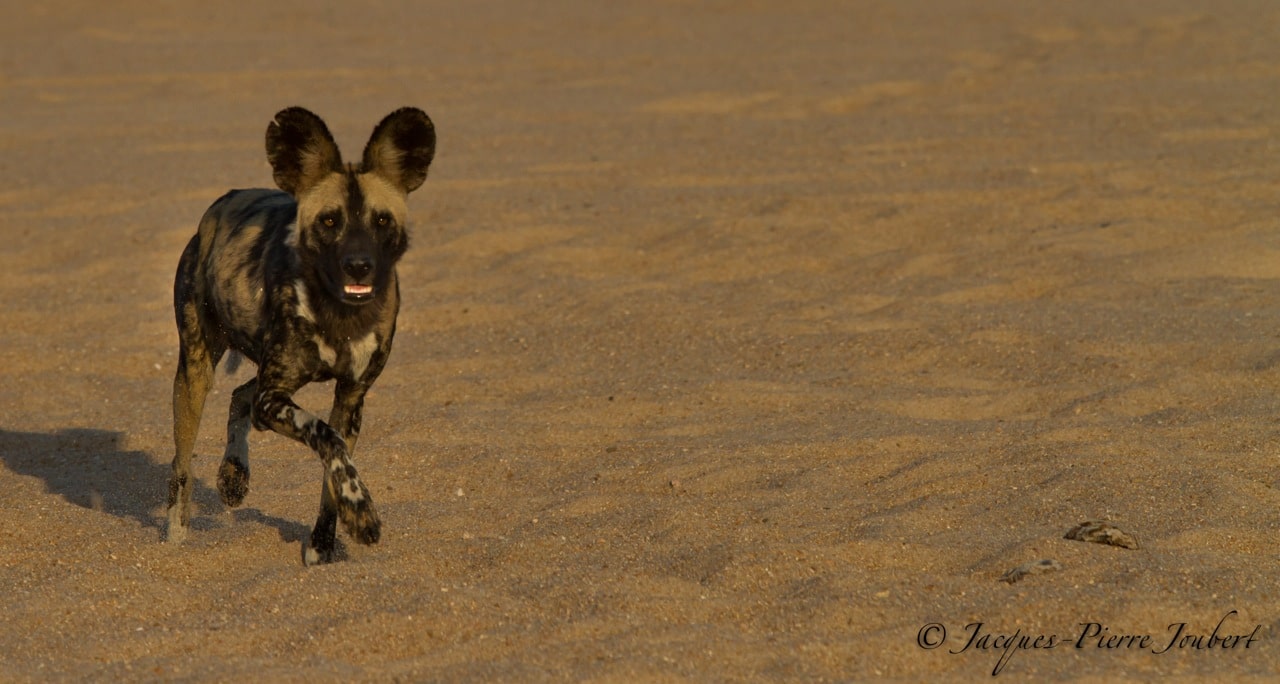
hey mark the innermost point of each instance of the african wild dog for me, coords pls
(303, 283)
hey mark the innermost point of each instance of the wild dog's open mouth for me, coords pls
(355, 293)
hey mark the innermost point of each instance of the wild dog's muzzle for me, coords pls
(357, 270)
(358, 265)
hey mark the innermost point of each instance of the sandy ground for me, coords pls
(741, 341)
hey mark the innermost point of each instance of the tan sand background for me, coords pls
(741, 340)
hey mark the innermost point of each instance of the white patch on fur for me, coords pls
(327, 354)
(361, 351)
(291, 235)
(302, 420)
(304, 305)
(351, 492)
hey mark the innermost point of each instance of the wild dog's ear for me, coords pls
(301, 150)
(401, 148)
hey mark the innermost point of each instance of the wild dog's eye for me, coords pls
(383, 220)
(330, 219)
(328, 222)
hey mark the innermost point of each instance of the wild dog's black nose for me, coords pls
(357, 265)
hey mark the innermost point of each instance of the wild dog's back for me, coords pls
(242, 234)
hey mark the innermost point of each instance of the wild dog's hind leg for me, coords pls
(348, 403)
(190, 386)
(197, 357)
(233, 475)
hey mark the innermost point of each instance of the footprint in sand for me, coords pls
(1033, 568)
(1101, 532)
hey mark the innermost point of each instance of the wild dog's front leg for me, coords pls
(233, 474)
(276, 411)
(348, 411)
(345, 417)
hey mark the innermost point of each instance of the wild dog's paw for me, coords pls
(313, 556)
(233, 482)
(179, 509)
(355, 506)
(175, 529)
(359, 518)
(320, 553)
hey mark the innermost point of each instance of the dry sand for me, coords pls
(741, 341)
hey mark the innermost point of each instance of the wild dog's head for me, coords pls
(351, 219)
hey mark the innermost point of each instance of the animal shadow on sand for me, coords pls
(90, 469)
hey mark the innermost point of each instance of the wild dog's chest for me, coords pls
(344, 358)
(335, 347)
